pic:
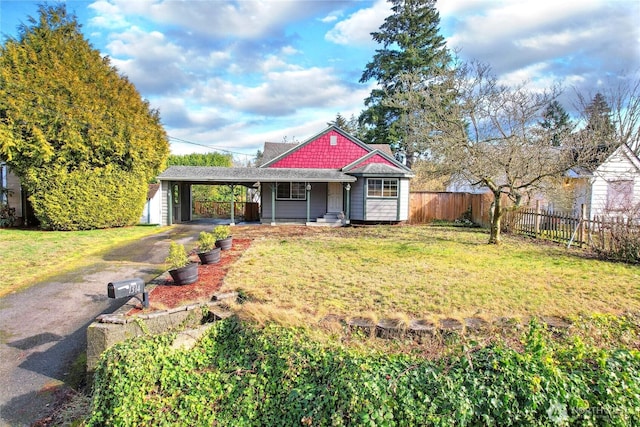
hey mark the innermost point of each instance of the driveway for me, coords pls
(43, 328)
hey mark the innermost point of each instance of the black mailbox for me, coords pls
(128, 288)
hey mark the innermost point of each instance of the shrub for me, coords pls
(177, 257)
(619, 240)
(206, 241)
(221, 232)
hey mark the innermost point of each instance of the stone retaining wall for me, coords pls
(421, 328)
(110, 329)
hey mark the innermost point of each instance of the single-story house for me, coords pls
(331, 178)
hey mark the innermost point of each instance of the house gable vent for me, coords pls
(333, 140)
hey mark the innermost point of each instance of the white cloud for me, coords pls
(280, 93)
(247, 19)
(357, 28)
(108, 15)
(520, 37)
(289, 50)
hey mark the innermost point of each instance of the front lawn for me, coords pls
(263, 373)
(29, 256)
(425, 272)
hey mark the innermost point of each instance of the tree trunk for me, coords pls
(494, 237)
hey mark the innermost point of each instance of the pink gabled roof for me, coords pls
(333, 149)
(376, 157)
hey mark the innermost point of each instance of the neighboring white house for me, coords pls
(614, 187)
(151, 214)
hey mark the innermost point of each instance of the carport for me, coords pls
(176, 182)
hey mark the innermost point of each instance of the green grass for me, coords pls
(30, 256)
(426, 272)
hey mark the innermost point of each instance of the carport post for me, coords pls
(170, 203)
(273, 203)
(233, 206)
(347, 218)
(308, 188)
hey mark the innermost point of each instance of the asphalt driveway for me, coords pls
(43, 328)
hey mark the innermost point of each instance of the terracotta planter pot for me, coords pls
(185, 275)
(211, 257)
(225, 244)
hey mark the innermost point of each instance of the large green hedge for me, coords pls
(239, 375)
(78, 134)
(86, 199)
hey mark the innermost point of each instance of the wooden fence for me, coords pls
(245, 211)
(427, 206)
(557, 226)
(601, 233)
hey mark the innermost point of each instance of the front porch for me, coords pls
(286, 196)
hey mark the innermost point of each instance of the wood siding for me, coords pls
(320, 153)
(382, 209)
(403, 213)
(357, 200)
(164, 213)
(294, 209)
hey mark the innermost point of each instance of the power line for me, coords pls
(173, 138)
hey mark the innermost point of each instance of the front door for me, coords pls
(334, 197)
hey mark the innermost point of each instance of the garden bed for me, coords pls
(164, 295)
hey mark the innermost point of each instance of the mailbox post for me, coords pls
(128, 288)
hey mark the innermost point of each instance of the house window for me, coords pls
(382, 188)
(619, 194)
(291, 191)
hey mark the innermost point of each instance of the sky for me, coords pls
(227, 76)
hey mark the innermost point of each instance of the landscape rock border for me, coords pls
(419, 329)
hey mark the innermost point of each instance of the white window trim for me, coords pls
(383, 180)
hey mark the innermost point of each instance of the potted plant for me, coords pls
(209, 253)
(223, 237)
(182, 270)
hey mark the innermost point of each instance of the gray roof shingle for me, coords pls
(211, 174)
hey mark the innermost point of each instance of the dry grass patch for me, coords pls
(426, 272)
(33, 255)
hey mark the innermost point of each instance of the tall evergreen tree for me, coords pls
(340, 122)
(599, 123)
(556, 121)
(77, 133)
(411, 45)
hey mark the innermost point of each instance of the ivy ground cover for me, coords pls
(240, 375)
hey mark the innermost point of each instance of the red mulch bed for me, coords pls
(210, 277)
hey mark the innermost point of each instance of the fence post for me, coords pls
(582, 224)
(537, 230)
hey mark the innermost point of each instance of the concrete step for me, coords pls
(320, 222)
